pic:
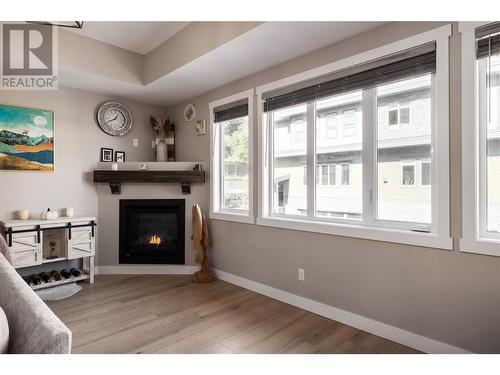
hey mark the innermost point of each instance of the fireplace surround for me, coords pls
(152, 231)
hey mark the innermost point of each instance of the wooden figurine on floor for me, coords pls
(200, 239)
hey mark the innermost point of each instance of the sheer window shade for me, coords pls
(231, 111)
(415, 61)
(488, 40)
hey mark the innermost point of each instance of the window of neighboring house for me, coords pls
(398, 113)
(404, 113)
(425, 173)
(393, 114)
(299, 129)
(331, 125)
(372, 180)
(324, 175)
(333, 174)
(349, 123)
(231, 158)
(408, 173)
(346, 174)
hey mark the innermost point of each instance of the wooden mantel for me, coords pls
(116, 178)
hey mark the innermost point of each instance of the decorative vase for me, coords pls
(161, 151)
(170, 141)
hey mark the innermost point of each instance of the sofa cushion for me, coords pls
(4, 249)
(4, 332)
(33, 327)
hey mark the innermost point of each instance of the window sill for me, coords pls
(359, 231)
(485, 246)
(231, 216)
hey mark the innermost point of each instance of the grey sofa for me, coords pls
(33, 327)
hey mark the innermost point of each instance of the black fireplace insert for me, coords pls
(152, 231)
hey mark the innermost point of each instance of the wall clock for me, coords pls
(189, 112)
(114, 118)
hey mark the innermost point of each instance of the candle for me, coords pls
(23, 214)
(114, 166)
(69, 211)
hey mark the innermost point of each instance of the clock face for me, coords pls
(114, 119)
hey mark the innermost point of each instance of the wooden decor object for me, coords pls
(200, 239)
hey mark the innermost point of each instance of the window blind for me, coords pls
(416, 61)
(231, 111)
(488, 40)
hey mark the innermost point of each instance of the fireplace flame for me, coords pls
(155, 240)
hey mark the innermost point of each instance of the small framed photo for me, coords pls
(119, 156)
(106, 154)
(200, 127)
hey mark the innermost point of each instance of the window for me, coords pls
(408, 173)
(393, 114)
(231, 135)
(349, 122)
(288, 157)
(346, 174)
(481, 139)
(331, 125)
(395, 174)
(299, 129)
(404, 113)
(359, 182)
(425, 173)
(333, 174)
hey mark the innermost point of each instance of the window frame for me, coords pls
(439, 236)
(474, 239)
(216, 159)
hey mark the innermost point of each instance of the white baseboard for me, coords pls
(141, 269)
(386, 331)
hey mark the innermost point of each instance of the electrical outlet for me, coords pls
(301, 274)
(135, 142)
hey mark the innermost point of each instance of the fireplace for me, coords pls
(152, 231)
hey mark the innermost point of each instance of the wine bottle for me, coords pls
(44, 276)
(36, 280)
(75, 272)
(65, 273)
(55, 275)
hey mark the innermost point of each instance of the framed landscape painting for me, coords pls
(26, 139)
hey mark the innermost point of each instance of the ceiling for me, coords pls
(138, 37)
(264, 46)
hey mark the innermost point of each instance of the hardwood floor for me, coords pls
(170, 314)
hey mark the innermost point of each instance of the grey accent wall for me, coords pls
(448, 296)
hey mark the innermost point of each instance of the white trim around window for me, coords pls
(436, 237)
(474, 237)
(216, 210)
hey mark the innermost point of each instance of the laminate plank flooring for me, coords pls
(171, 314)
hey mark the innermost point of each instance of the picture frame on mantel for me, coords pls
(119, 156)
(26, 139)
(106, 154)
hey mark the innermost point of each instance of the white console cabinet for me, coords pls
(36, 242)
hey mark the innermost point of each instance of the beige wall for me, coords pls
(449, 296)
